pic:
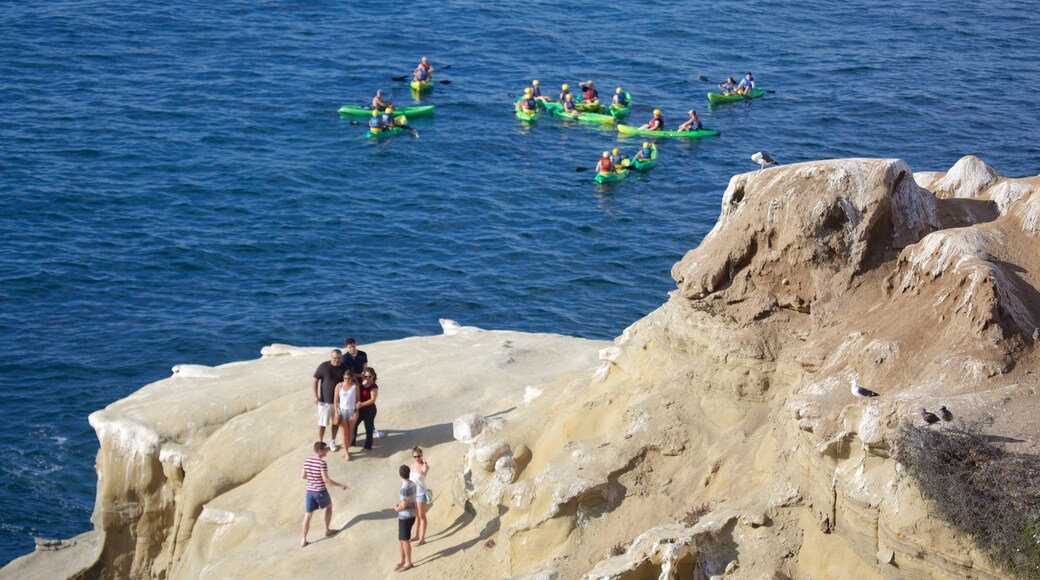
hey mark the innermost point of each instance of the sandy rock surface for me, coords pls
(716, 437)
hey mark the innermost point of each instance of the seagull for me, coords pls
(763, 159)
(945, 413)
(929, 418)
(860, 391)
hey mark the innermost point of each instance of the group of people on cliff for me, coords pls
(345, 392)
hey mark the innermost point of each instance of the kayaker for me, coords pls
(588, 93)
(691, 124)
(747, 84)
(646, 153)
(536, 92)
(423, 72)
(655, 124)
(379, 103)
(605, 165)
(375, 124)
(569, 105)
(615, 156)
(387, 119)
(729, 87)
(527, 103)
(620, 98)
(565, 91)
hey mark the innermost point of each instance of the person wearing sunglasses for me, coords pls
(418, 476)
(368, 391)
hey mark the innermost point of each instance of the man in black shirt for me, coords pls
(329, 374)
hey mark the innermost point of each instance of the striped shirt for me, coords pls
(313, 469)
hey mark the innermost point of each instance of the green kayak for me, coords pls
(721, 98)
(421, 86)
(620, 112)
(557, 111)
(400, 120)
(525, 115)
(612, 177)
(360, 111)
(630, 130)
(590, 108)
(642, 165)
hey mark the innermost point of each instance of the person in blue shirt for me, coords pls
(646, 152)
(375, 124)
(620, 99)
(388, 118)
(569, 105)
(423, 72)
(536, 92)
(729, 87)
(747, 84)
(527, 102)
(565, 91)
(691, 124)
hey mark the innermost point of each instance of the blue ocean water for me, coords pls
(176, 187)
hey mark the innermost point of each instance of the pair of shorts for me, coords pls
(404, 528)
(326, 414)
(318, 500)
(346, 414)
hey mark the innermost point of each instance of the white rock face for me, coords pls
(968, 178)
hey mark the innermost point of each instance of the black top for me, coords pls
(356, 363)
(329, 376)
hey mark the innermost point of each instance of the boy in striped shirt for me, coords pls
(316, 473)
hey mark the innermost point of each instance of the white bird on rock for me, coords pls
(763, 159)
(860, 391)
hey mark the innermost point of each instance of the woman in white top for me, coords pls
(418, 476)
(346, 409)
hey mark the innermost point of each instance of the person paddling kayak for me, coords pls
(605, 165)
(747, 84)
(655, 124)
(536, 92)
(729, 87)
(379, 103)
(387, 120)
(423, 72)
(620, 99)
(691, 124)
(615, 156)
(646, 152)
(375, 124)
(565, 91)
(589, 94)
(527, 102)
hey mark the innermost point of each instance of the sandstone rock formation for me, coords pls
(716, 437)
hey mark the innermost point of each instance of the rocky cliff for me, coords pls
(717, 436)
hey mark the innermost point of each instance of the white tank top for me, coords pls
(347, 397)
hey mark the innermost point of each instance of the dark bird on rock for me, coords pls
(763, 159)
(945, 413)
(929, 418)
(860, 391)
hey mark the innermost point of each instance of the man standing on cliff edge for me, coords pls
(329, 374)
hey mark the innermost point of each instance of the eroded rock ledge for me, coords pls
(562, 458)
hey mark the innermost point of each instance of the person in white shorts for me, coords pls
(327, 376)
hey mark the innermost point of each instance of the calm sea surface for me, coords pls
(175, 186)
